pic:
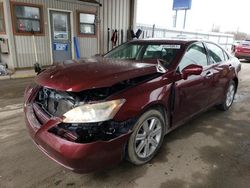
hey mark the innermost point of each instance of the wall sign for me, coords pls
(60, 46)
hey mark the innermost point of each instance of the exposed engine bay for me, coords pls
(56, 103)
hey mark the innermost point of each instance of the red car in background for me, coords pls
(92, 113)
(242, 50)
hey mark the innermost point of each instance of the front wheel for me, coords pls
(146, 138)
(229, 98)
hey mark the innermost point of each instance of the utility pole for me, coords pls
(175, 18)
(185, 17)
(153, 31)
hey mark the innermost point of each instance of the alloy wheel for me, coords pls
(148, 137)
(230, 95)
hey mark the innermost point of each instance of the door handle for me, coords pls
(209, 74)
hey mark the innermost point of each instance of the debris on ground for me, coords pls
(3, 70)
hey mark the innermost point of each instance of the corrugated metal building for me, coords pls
(57, 30)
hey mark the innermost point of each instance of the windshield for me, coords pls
(143, 52)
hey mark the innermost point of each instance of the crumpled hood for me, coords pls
(91, 73)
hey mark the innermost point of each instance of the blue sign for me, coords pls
(182, 4)
(60, 47)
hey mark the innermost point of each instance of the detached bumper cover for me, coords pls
(77, 157)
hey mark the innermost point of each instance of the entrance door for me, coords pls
(60, 36)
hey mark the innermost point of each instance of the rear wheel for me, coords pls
(146, 138)
(229, 98)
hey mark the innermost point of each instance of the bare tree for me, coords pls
(215, 28)
(239, 35)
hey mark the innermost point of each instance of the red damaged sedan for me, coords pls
(92, 113)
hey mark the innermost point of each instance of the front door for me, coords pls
(60, 35)
(192, 95)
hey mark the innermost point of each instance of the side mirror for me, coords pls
(191, 70)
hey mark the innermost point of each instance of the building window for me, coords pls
(27, 18)
(2, 24)
(87, 25)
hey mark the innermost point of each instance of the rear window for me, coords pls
(245, 43)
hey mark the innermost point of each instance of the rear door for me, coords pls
(221, 69)
(192, 95)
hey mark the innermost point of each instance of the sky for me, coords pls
(229, 15)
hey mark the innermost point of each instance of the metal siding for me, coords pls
(125, 20)
(24, 46)
(87, 47)
(101, 24)
(114, 14)
(117, 15)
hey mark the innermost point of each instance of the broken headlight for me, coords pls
(96, 112)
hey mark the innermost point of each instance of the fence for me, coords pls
(225, 40)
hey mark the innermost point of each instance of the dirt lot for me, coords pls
(210, 151)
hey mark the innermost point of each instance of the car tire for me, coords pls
(147, 137)
(229, 97)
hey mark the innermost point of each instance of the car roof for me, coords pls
(245, 42)
(181, 41)
(165, 40)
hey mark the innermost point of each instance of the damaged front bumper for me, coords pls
(78, 157)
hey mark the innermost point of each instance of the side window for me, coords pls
(196, 54)
(215, 52)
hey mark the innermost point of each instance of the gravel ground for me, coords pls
(211, 151)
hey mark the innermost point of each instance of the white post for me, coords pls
(34, 45)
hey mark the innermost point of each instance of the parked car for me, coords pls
(242, 50)
(233, 47)
(94, 113)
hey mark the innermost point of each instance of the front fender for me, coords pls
(141, 97)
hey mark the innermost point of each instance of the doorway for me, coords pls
(61, 35)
